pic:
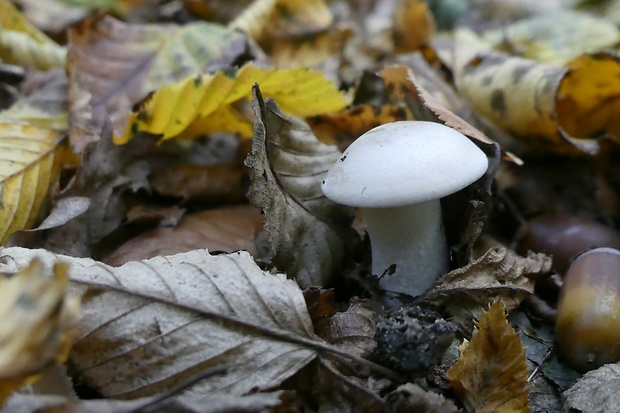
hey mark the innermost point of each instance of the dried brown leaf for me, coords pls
(224, 229)
(149, 325)
(221, 183)
(412, 398)
(287, 165)
(596, 392)
(499, 274)
(353, 330)
(491, 374)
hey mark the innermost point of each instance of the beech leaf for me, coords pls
(149, 325)
(287, 165)
(491, 374)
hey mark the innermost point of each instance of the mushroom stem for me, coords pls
(412, 237)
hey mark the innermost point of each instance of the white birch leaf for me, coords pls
(150, 325)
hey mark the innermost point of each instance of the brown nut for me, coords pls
(588, 322)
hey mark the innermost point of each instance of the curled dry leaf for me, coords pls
(553, 108)
(223, 229)
(353, 330)
(113, 65)
(287, 165)
(499, 274)
(38, 320)
(150, 325)
(491, 374)
(64, 211)
(596, 392)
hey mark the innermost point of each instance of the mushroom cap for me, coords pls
(403, 163)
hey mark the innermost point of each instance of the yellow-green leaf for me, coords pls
(204, 101)
(23, 44)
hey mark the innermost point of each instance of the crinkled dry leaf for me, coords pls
(353, 330)
(596, 392)
(106, 172)
(202, 104)
(149, 325)
(23, 44)
(225, 229)
(38, 320)
(287, 165)
(491, 374)
(412, 398)
(499, 274)
(113, 65)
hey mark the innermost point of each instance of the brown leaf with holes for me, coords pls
(491, 374)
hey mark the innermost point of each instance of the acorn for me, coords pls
(565, 236)
(587, 330)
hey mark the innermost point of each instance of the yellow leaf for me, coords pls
(588, 98)
(491, 374)
(139, 58)
(37, 324)
(202, 100)
(30, 159)
(23, 44)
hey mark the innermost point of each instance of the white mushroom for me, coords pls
(397, 173)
